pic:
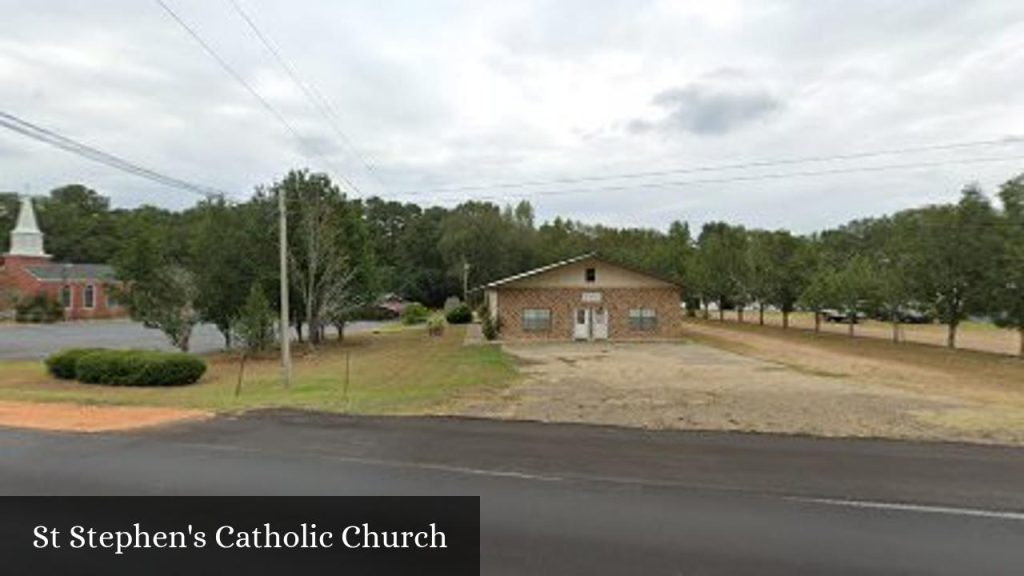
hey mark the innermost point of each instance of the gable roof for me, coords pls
(581, 257)
(71, 272)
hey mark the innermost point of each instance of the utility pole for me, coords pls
(465, 281)
(286, 351)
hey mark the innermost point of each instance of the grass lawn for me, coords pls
(398, 372)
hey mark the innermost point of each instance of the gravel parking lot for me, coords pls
(688, 385)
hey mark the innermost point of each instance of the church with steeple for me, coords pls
(83, 290)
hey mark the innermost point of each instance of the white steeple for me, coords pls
(26, 239)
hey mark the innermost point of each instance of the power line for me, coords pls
(248, 87)
(318, 102)
(52, 138)
(723, 167)
(749, 178)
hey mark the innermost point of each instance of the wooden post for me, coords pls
(344, 393)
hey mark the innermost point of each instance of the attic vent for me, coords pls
(591, 275)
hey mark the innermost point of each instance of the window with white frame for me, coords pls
(65, 296)
(89, 297)
(536, 320)
(643, 319)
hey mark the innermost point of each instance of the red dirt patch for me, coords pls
(78, 418)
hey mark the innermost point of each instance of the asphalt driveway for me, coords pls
(35, 341)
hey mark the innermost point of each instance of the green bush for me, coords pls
(62, 364)
(38, 308)
(490, 328)
(460, 314)
(415, 313)
(139, 368)
(435, 325)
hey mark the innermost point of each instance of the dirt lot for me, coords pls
(79, 418)
(734, 378)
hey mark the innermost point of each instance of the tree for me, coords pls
(956, 263)
(327, 270)
(79, 225)
(222, 267)
(779, 269)
(157, 284)
(855, 289)
(422, 272)
(722, 264)
(893, 263)
(494, 242)
(821, 292)
(166, 301)
(1009, 289)
(254, 326)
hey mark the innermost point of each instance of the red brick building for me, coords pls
(84, 290)
(585, 298)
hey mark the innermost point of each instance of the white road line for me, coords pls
(863, 504)
(924, 509)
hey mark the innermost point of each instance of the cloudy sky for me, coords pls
(441, 101)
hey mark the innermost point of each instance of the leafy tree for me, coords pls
(1009, 286)
(79, 225)
(821, 292)
(166, 300)
(328, 256)
(855, 289)
(893, 261)
(158, 286)
(254, 326)
(722, 264)
(779, 270)
(422, 269)
(957, 256)
(223, 271)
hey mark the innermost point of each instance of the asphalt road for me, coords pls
(570, 499)
(35, 341)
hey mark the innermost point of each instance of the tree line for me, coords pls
(218, 259)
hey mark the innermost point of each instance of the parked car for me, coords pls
(905, 316)
(839, 317)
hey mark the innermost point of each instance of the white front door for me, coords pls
(599, 320)
(581, 324)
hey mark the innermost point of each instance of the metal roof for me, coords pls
(71, 272)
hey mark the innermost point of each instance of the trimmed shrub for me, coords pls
(415, 313)
(461, 314)
(62, 364)
(139, 368)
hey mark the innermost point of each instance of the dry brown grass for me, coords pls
(978, 336)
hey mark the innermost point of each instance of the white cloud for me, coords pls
(450, 93)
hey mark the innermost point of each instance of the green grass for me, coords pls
(399, 372)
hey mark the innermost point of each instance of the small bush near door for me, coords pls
(128, 367)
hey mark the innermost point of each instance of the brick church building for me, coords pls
(84, 290)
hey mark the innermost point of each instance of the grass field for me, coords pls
(396, 372)
(970, 336)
